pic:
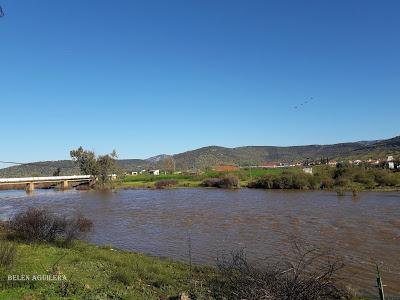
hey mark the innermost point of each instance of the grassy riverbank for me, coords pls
(353, 179)
(94, 272)
(195, 180)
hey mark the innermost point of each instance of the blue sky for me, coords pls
(150, 77)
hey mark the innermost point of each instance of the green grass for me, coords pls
(353, 179)
(94, 272)
(194, 180)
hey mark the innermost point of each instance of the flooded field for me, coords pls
(363, 230)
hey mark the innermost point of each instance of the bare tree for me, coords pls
(168, 164)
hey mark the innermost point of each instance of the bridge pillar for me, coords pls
(30, 187)
(64, 185)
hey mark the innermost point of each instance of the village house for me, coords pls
(373, 161)
(269, 165)
(154, 172)
(332, 163)
(390, 162)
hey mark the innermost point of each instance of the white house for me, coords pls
(154, 172)
(134, 173)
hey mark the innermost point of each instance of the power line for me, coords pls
(12, 162)
(41, 164)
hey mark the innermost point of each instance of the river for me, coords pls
(363, 229)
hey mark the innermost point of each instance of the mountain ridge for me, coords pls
(208, 156)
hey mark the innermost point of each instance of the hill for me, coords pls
(213, 155)
(250, 155)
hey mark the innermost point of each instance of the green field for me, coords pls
(342, 179)
(194, 180)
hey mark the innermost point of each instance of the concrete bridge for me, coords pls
(31, 181)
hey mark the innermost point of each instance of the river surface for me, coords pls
(363, 229)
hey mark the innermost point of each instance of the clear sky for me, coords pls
(151, 77)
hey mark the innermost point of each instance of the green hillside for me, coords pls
(213, 155)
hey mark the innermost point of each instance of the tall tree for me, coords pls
(101, 167)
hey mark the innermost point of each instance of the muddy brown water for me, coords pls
(363, 230)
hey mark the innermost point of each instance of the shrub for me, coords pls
(36, 224)
(264, 182)
(341, 177)
(384, 178)
(327, 183)
(342, 182)
(365, 178)
(122, 276)
(285, 181)
(226, 182)
(309, 274)
(165, 183)
(76, 228)
(210, 182)
(40, 225)
(302, 181)
(7, 254)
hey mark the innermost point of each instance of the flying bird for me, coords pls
(304, 102)
(1, 12)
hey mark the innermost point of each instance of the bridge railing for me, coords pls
(48, 178)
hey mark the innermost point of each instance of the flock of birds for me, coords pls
(304, 103)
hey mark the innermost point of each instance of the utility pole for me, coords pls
(379, 284)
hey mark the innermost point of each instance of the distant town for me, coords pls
(389, 163)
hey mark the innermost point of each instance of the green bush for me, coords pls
(285, 181)
(327, 183)
(161, 184)
(343, 177)
(122, 276)
(383, 178)
(226, 182)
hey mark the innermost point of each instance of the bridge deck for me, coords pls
(45, 179)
